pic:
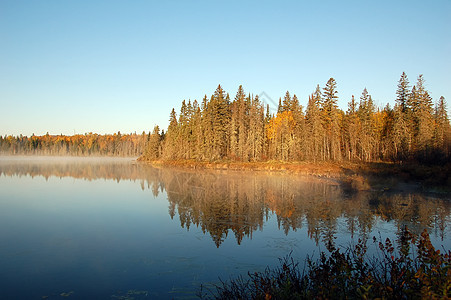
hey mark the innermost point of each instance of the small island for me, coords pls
(412, 140)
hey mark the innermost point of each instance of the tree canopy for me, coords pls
(239, 130)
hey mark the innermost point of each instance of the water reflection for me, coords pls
(239, 203)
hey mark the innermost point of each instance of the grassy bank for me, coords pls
(353, 176)
(411, 269)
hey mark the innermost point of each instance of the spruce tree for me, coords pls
(171, 138)
(442, 130)
(219, 111)
(403, 92)
(423, 120)
(352, 129)
(330, 120)
(256, 135)
(366, 134)
(152, 151)
(314, 128)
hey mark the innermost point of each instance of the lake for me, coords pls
(110, 228)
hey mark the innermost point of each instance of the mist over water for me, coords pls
(107, 227)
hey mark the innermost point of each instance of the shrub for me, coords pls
(415, 270)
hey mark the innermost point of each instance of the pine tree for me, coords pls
(352, 129)
(207, 130)
(234, 129)
(330, 121)
(219, 112)
(171, 138)
(442, 130)
(280, 107)
(153, 147)
(423, 121)
(298, 148)
(314, 128)
(387, 149)
(256, 135)
(183, 130)
(403, 92)
(286, 104)
(197, 132)
(243, 123)
(402, 134)
(366, 134)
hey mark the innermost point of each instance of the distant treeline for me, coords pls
(221, 129)
(78, 145)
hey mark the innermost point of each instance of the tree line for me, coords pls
(241, 129)
(116, 144)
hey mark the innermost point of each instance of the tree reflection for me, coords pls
(239, 203)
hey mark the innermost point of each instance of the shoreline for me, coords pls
(353, 176)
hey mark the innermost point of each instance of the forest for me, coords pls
(244, 130)
(219, 128)
(117, 144)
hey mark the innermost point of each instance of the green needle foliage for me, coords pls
(221, 129)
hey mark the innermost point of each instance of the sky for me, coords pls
(106, 66)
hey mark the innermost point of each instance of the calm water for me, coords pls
(114, 229)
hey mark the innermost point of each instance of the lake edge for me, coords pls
(353, 176)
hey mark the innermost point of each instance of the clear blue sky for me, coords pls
(108, 66)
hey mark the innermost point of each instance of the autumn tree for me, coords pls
(279, 132)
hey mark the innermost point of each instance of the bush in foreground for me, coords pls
(415, 270)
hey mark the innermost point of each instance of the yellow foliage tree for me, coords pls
(280, 131)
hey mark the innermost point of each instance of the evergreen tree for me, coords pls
(422, 119)
(218, 111)
(198, 132)
(366, 133)
(280, 107)
(330, 117)
(243, 124)
(286, 104)
(183, 132)
(153, 147)
(403, 92)
(298, 147)
(352, 129)
(256, 134)
(171, 138)
(400, 135)
(442, 128)
(314, 128)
